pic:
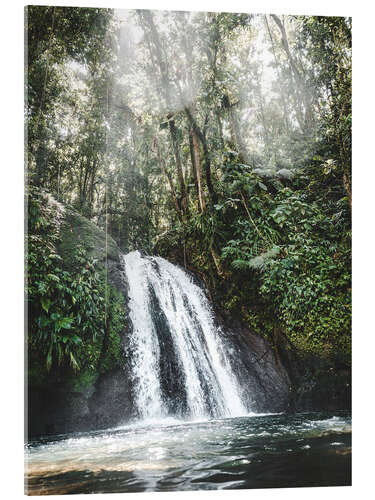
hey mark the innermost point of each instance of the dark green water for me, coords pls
(268, 451)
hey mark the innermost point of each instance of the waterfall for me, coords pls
(179, 364)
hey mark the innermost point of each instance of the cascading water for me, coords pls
(178, 356)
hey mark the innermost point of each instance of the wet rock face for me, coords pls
(56, 410)
(262, 376)
(172, 377)
(290, 381)
(332, 396)
(320, 387)
(110, 404)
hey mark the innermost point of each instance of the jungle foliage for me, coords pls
(221, 141)
(68, 323)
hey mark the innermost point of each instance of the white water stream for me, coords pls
(179, 361)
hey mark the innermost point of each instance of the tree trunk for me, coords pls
(193, 173)
(180, 175)
(197, 164)
(165, 81)
(236, 135)
(277, 65)
(169, 179)
(348, 189)
(216, 260)
(304, 94)
(206, 155)
(220, 127)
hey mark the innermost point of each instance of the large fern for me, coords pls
(258, 262)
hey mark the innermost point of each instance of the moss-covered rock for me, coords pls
(74, 271)
(77, 230)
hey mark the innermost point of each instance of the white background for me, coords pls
(11, 230)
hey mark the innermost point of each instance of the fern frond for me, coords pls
(263, 259)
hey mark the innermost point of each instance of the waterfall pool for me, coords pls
(181, 365)
(255, 451)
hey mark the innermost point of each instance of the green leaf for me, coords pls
(49, 357)
(45, 303)
(66, 323)
(53, 277)
(74, 362)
